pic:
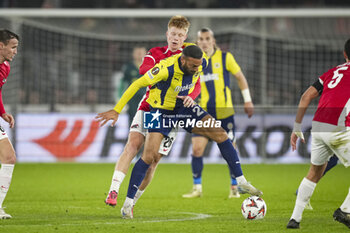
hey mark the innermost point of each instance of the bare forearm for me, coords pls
(310, 94)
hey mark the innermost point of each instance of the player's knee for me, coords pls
(156, 159)
(197, 151)
(133, 147)
(10, 158)
(150, 156)
(220, 136)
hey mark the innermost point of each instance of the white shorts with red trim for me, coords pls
(327, 140)
(167, 142)
(3, 133)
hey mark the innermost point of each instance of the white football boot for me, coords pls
(196, 192)
(248, 188)
(3, 214)
(127, 211)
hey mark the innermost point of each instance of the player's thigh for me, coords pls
(339, 142)
(7, 153)
(167, 143)
(198, 145)
(135, 142)
(320, 151)
(214, 132)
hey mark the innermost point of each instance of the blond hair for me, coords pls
(179, 21)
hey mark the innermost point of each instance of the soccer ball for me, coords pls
(253, 207)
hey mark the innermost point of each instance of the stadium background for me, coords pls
(69, 67)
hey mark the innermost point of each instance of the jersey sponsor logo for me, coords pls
(184, 88)
(209, 77)
(155, 70)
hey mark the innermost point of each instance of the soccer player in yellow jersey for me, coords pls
(176, 35)
(171, 81)
(216, 99)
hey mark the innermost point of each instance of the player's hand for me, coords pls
(249, 109)
(297, 133)
(104, 117)
(187, 101)
(9, 119)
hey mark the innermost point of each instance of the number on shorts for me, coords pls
(168, 141)
(196, 109)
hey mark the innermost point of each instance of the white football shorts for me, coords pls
(3, 133)
(327, 140)
(167, 142)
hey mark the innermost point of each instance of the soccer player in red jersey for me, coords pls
(176, 35)
(330, 134)
(8, 50)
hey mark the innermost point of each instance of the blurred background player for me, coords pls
(330, 134)
(8, 50)
(216, 99)
(130, 74)
(176, 35)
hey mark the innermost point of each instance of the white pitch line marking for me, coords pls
(195, 216)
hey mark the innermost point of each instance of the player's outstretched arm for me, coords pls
(9, 119)
(310, 94)
(113, 114)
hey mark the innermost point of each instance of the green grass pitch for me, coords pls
(67, 197)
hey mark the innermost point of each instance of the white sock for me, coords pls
(305, 191)
(138, 195)
(345, 207)
(241, 180)
(5, 180)
(128, 202)
(117, 180)
(198, 187)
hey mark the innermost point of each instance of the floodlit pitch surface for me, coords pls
(69, 198)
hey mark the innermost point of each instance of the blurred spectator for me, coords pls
(130, 74)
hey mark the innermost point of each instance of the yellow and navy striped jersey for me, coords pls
(215, 84)
(167, 80)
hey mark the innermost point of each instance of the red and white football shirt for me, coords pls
(4, 73)
(334, 105)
